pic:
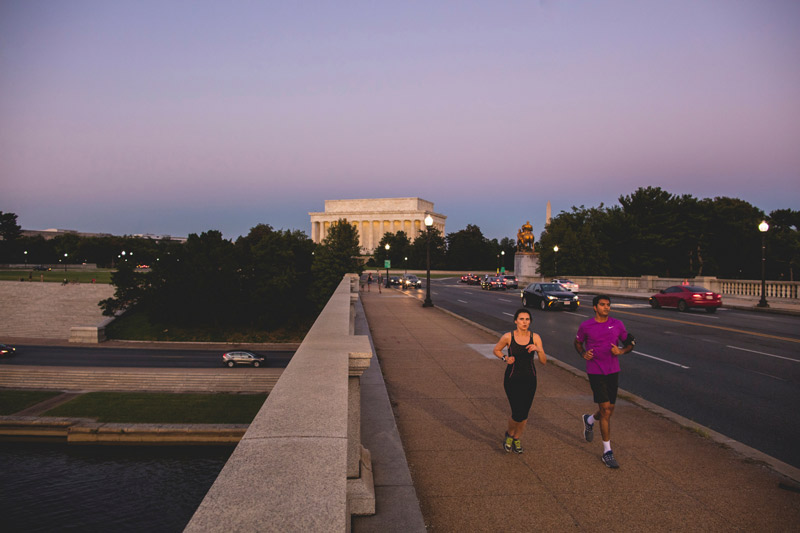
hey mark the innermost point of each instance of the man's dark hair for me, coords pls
(596, 299)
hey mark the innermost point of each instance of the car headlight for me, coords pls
(551, 297)
(574, 297)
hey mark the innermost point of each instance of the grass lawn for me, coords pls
(163, 408)
(135, 325)
(55, 275)
(12, 401)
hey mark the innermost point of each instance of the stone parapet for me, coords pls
(290, 470)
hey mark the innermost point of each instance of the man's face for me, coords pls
(603, 308)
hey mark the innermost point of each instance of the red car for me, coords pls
(685, 297)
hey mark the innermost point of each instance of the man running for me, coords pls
(597, 342)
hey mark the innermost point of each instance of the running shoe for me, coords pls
(588, 429)
(609, 461)
(517, 446)
(507, 442)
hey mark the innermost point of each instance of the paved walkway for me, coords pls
(451, 414)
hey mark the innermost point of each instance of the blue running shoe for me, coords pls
(588, 429)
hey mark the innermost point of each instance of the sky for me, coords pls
(180, 117)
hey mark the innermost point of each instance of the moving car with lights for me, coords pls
(491, 283)
(410, 281)
(570, 286)
(549, 296)
(685, 297)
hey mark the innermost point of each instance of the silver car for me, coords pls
(232, 359)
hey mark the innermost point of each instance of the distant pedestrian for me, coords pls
(519, 380)
(369, 282)
(380, 282)
(598, 342)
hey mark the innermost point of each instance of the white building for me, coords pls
(375, 217)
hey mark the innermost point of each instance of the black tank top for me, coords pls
(523, 361)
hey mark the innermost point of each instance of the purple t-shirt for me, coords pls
(600, 336)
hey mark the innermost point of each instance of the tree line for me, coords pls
(269, 277)
(653, 232)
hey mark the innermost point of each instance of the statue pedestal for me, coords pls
(525, 264)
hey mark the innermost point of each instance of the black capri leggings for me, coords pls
(520, 394)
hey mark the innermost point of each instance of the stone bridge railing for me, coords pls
(786, 290)
(301, 466)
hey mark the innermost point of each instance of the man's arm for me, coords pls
(579, 348)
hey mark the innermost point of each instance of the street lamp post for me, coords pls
(428, 224)
(26, 256)
(387, 266)
(555, 249)
(405, 265)
(65, 262)
(763, 228)
(502, 261)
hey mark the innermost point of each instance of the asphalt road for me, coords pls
(130, 357)
(736, 372)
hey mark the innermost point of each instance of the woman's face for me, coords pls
(523, 321)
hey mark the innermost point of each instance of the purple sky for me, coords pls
(182, 116)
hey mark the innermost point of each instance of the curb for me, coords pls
(89, 431)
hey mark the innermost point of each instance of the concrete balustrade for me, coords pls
(784, 290)
(301, 466)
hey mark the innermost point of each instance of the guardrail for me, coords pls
(301, 466)
(785, 290)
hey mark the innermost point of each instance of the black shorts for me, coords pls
(604, 387)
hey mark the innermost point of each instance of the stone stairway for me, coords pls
(48, 310)
(198, 380)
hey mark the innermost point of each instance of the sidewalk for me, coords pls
(451, 413)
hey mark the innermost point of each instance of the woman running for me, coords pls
(520, 375)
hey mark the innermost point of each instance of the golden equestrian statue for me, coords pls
(525, 238)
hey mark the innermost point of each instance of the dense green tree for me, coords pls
(399, 249)
(582, 244)
(275, 269)
(9, 229)
(783, 244)
(130, 288)
(418, 257)
(468, 249)
(337, 255)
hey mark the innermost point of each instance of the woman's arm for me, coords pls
(537, 343)
(504, 341)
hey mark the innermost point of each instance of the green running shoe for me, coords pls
(517, 446)
(507, 442)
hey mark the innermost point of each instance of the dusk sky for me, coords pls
(176, 117)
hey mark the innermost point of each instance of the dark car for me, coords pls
(232, 359)
(394, 280)
(492, 283)
(685, 297)
(41, 267)
(411, 281)
(511, 281)
(549, 296)
(474, 279)
(7, 351)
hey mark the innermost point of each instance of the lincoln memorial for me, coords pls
(375, 217)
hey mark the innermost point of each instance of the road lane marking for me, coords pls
(509, 314)
(486, 350)
(504, 300)
(754, 333)
(764, 353)
(659, 359)
(768, 375)
(462, 301)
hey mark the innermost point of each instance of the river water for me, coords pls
(59, 487)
